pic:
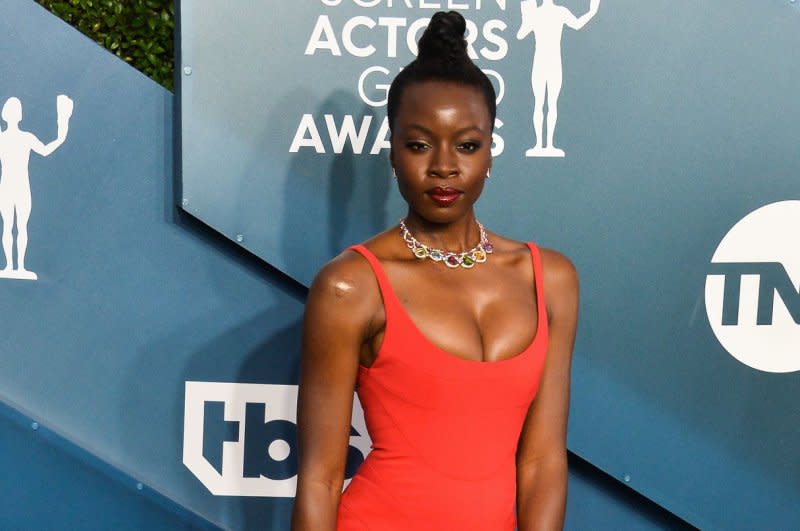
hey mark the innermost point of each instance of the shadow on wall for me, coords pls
(333, 200)
(330, 202)
(274, 361)
(242, 325)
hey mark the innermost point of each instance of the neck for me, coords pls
(457, 236)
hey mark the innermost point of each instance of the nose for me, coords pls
(443, 163)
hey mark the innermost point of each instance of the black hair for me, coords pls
(442, 57)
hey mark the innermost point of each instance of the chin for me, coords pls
(443, 215)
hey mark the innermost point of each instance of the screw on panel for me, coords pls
(34, 426)
(187, 70)
(239, 238)
(627, 478)
(185, 202)
(139, 486)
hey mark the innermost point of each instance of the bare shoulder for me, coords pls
(342, 308)
(558, 268)
(348, 278)
(516, 250)
(559, 272)
(560, 280)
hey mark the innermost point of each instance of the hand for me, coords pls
(528, 9)
(64, 106)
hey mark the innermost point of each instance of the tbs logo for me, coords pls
(241, 439)
(753, 289)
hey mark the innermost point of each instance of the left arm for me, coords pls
(528, 8)
(45, 149)
(542, 450)
(64, 107)
(577, 23)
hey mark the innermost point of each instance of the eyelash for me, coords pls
(468, 147)
(416, 146)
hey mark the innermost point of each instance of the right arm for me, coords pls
(339, 310)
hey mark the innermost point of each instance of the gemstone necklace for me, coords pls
(467, 259)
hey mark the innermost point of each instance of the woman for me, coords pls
(458, 340)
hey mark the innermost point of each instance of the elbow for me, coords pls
(555, 457)
(46, 150)
(316, 504)
(542, 479)
(542, 494)
(324, 488)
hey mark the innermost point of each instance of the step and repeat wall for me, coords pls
(666, 166)
(671, 177)
(147, 364)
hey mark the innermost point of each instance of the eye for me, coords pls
(416, 145)
(469, 147)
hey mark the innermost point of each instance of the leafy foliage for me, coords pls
(138, 31)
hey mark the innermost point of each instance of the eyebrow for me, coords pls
(459, 132)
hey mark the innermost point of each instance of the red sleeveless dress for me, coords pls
(444, 429)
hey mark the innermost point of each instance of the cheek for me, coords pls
(409, 194)
(407, 183)
(477, 188)
(411, 168)
(479, 167)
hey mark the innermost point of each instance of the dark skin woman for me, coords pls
(441, 141)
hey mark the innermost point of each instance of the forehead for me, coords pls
(443, 102)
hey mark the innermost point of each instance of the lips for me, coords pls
(444, 196)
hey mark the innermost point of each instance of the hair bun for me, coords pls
(444, 40)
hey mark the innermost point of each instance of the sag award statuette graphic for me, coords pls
(15, 188)
(547, 22)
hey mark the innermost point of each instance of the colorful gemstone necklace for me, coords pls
(467, 259)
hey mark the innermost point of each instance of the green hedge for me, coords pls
(138, 31)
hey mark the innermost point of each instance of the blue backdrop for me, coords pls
(134, 299)
(677, 119)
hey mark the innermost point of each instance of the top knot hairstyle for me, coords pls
(442, 57)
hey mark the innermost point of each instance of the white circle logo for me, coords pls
(753, 289)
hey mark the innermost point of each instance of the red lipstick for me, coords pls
(443, 196)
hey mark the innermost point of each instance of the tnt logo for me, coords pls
(753, 289)
(241, 439)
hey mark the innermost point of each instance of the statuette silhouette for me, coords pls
(547, 22)
(15, 189)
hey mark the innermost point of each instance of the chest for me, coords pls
(487, 314)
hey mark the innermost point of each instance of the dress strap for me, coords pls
(538, 280)
(377, 270)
